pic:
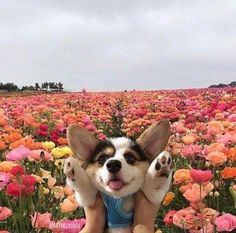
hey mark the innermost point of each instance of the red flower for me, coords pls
(42, 133)
(17, 170)
(28, 180)
(43, 127)
(24, 186)
(13, 189)
(200, 176)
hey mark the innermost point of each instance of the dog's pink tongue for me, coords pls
(116, 184)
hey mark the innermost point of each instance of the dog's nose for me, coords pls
(113, 166)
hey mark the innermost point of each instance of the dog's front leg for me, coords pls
(158, 178)
(77, 179)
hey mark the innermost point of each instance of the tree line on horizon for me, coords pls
(46, 86)
(221, 85)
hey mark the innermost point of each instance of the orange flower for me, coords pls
(194, 194)
(189, 138)
(68, 190)
(182, 176)
(216, 147)
(2, 145)
(69, 204)
(228, 172)
(216, 158)
(215, 127)
(28, 119)
(27, 142)
(6, 166)
(231, 153)
(62, 141)
(12, 137)
(3, 121)
(185, 187)
(168, 198)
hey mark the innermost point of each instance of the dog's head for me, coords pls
(118, 166)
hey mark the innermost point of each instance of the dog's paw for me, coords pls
(72, 169)
(163, 165)
(158, 178)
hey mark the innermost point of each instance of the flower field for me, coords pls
(33, 146)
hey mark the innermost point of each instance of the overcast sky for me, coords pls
(118, 44)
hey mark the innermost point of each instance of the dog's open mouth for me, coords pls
(116, 184)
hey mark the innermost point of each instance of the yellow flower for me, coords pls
(59, 152)
(45, 191)
(59, 163)
(67, 151)
(48, 145)
(45, 174)
(168, 198)
(158, 231)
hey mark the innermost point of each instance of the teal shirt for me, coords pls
(117, 217)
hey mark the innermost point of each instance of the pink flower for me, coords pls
(200, 176)
(39, 155)
(207, 137)
(18, 154)
(223, 138)
(4, 179)
(4, 213)
(68, 226)
(140, 112)
(207, 228)
(168, 219)
(101, 136)
(232, 117)
(226, 222)
(191, 150)
(184, 218)
(4, 232)
(90, 127)
(210, 214)
(41, 220)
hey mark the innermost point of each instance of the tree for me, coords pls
(10, 87)
(60, 86)
(37, 87)
(45, 86)
(51, 85)
(232, 84)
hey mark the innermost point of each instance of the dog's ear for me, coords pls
(81, 142)
(154, 139)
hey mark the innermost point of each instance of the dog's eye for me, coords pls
(129, 158)
(102, 159)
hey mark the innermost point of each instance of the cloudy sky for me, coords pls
(119, 44)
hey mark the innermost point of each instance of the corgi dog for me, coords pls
(118, 168)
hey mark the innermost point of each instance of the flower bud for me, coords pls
(216, 194)
(211, 194)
